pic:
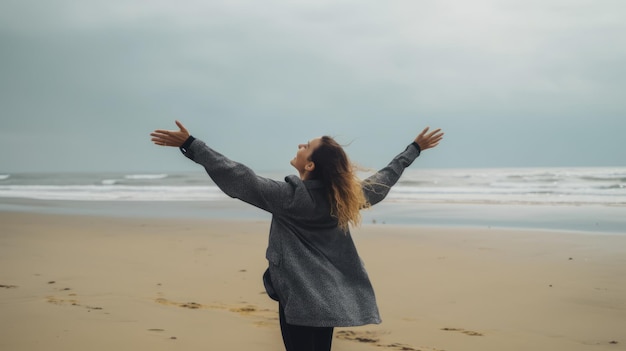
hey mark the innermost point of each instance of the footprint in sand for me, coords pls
(267, 316)
(69, 301)
(73, 302)
(598, 342)
(60, 301)
(365, 337)
(159, 330)
(189, 305)
(374, 339)
(8, 286)
(461, 330)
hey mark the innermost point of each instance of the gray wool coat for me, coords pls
(314, 268)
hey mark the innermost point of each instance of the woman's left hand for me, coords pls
(428, 140)
(174, 138)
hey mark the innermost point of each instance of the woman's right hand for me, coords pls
(428, 140)
(174, 138)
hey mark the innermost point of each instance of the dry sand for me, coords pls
(97, 283)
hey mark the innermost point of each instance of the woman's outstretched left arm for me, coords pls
(377, 186)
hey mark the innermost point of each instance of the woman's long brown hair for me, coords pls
(334, 169)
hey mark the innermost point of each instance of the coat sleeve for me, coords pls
(238, 181)
(377, 186)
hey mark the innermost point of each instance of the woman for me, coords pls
(315, 272)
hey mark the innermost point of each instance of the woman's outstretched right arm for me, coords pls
(234, 179)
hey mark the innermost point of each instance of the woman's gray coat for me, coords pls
(314, 268)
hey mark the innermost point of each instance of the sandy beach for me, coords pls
(105, 283)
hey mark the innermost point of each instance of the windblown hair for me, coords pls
(345, 193)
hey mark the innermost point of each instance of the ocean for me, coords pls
(576, 199)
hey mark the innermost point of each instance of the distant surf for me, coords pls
(146, 176)
(563, 186)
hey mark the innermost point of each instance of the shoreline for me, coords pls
(75, 282)
(570, 218)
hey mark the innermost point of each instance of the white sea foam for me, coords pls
(145, 176)
(4, 176)
(602, 186)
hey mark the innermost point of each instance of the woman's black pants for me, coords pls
(301, 338)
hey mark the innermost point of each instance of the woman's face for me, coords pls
(302, 161)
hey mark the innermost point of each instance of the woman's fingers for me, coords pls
(427, 140)
(435, 135)
(434, 132)
(161, 137)
(181, 127)
(170, 137)
(159, 141)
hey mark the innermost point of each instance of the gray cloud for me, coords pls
(513, 83)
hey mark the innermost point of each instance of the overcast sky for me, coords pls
(523, 83)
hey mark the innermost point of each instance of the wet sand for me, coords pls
(106, 283)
